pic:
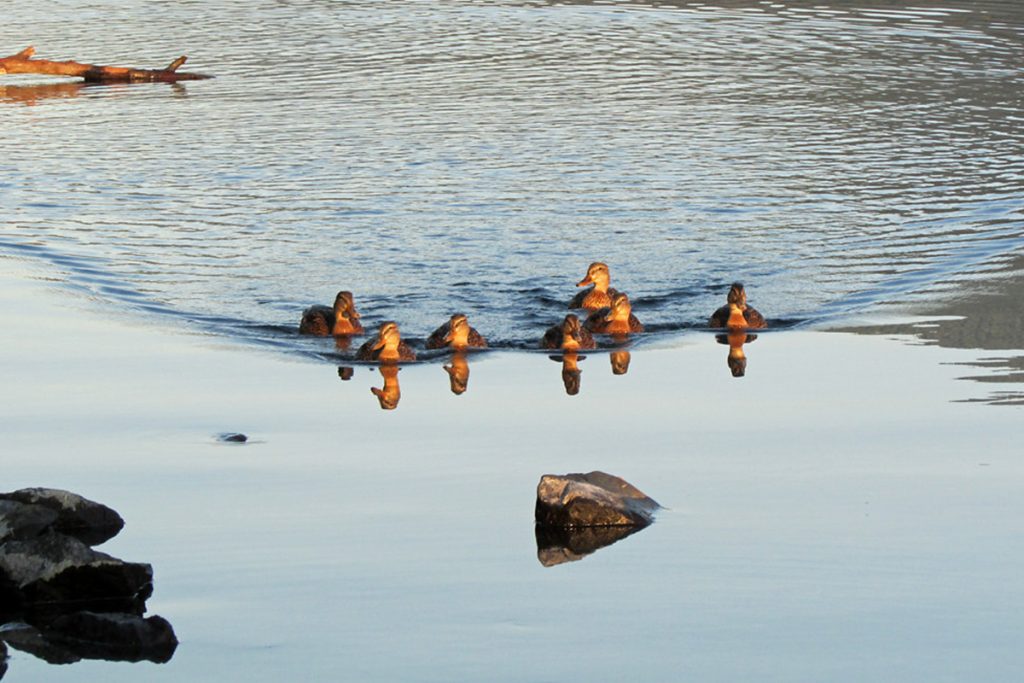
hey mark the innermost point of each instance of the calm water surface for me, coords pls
(447, 156)
(840, 513)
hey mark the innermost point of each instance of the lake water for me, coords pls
(847, 510)
(435, 157)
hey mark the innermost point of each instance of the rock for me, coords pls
(86, 520)
(595, 499)
(54, 572)
(3, 659)
(115, 637)
(19, 521)
(559, 544)
(29, 639)
(233, 437)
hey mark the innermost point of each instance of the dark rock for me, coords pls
(29, 639)
(233, 437)
(559, 544)
(592, 499)
(115, 637)
(86, 520)
(19, 521)
(53, 572)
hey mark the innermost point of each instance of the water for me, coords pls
(435, 157)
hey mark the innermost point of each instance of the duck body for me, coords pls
(617, 318)
(387, 347)
(456, 334)
(339, 320)
(598, 296)
(736, 314)
(568, 335)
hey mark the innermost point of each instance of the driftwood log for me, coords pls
(22, 63)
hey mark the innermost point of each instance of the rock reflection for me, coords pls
(558, 545)
(737, 359)
(390, 393)
(458, 373)
(62, 601)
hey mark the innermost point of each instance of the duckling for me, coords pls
(388, 347)
(342, 319)
(568, 335)
(457, 334)
(598, 296)
(615, 319)
(736, 314)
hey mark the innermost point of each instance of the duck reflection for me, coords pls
(620, 361)
(390, 393)
(458, 373)
(345, 372)
(737, 360)
(570, 371)
(558, 545)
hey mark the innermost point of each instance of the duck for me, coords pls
(617, 318)
(341, 320)
(456, 334)
(568, 335)
(736, 314)
(388, 347)
(598, 296)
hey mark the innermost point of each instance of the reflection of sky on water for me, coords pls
(833, 515)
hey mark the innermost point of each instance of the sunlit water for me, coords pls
(445, 156)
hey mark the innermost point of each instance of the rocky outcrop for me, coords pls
(60, 599)
(595, 499)
(86, 520)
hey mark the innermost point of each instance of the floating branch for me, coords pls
(22, 63)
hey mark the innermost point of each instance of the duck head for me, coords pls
(737, 295)
(388, 339)
(597, 275)
(390, 394)
(620, 362)
(571, 329)
(345, 306)
(458, 331)
(458, 373)
(620, 309)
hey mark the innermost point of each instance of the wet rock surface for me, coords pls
(60, 599)
(594, 499)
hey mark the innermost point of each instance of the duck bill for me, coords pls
(585, 281)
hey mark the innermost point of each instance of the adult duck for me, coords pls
(598, 296)
(568, 335)
(342, 319)
(736, 314)
(615, 319)
(388, 347)
(456, 334)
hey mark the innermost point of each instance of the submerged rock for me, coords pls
(595, 499)
(86, 520)
(19, 521)
(233, 437)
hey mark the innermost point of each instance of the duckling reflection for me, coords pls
(616, 319)
(390, 393)
(458, 373)
(568, 335)
(341, 319)
(620, 361)
(597, 296)
(736, 314)
(345, 372)
(737, 360)
(388, 347)
(570, 371)
(456, 334)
